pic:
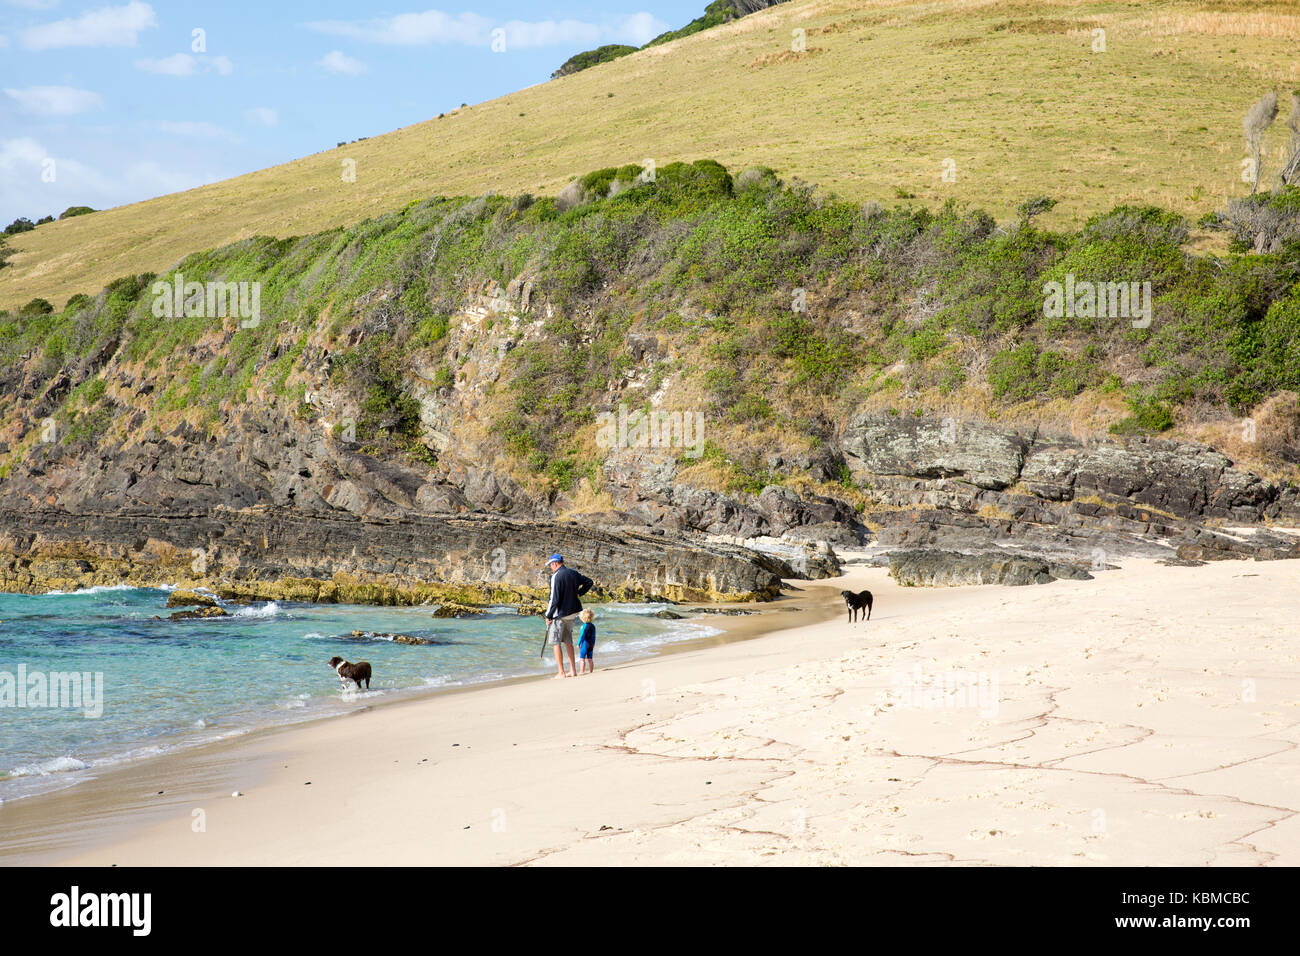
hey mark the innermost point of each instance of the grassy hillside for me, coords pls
(773, 312)
(884, 93)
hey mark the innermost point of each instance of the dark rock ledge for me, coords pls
(340, 557)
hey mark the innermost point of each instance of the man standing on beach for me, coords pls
(567, 585)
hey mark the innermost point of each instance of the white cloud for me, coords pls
(471, 29)
(338, 62)
(640, 28)
(412, 29)
(108, 26)
(22, 163)
(17, 153)
(185, 64)
(178, 64)
(262, 116)
(23, 192)
(54, 100)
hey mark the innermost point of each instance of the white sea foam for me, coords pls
(45, 767)
(197, 590)
(639, 610)
(350, 693)
(96, 589)
(266, 610)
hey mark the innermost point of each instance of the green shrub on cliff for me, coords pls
(1268, 352)
(716, 13)
(773, 305)
(1024, 373)
(590, 58)
(1148, 416)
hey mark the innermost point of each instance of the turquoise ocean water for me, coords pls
(168, 684)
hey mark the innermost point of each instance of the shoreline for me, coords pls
(684, 631)
(46, 818)
(1118, 733)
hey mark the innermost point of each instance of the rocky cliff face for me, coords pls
(1185, 481)
(388, 426)
(278, 508)
(275, 503)
(975, 486)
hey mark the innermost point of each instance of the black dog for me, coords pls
(856, 602)
(358, 672)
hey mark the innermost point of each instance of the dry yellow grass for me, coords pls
(1009, 89)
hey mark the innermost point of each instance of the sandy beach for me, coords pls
(1150, 716)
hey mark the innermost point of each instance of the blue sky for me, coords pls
(104, 103)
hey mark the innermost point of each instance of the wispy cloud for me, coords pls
(54, 100)
(262, 116)
(23, 160)
(338, 62)
(472, 29)
(108, 26)
(185, 64)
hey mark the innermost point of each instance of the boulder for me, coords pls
(198, 613)
(398, 638)
(933, 568)
(451, 609)
(986, 456)
(183, 598)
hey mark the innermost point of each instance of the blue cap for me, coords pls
(555, 557)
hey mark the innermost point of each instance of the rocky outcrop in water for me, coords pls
(450, 609)
(200, 612)
(185, 598)
(408, 639)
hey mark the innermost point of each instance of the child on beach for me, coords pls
(586, 641)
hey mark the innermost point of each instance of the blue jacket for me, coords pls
(567, 585)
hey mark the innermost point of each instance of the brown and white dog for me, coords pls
(358, 672)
